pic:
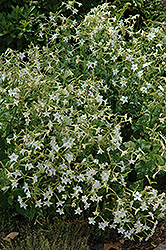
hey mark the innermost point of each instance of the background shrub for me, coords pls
(19, 20)
(18, 27)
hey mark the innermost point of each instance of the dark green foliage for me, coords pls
(2, 147)
(19, 20)
(148, 10)
(18, 27)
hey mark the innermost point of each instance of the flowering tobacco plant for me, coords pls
(63, 113)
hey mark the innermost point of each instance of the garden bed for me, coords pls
(83, 125)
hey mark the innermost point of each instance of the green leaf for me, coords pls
(138, 185)
(32, 213)
(10, 199)
(12, 35)
(20, 35)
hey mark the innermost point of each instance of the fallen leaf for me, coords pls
(115, 245)
(10, 236)
(121, 241)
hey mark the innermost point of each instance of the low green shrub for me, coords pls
(77, 120)
(19, 27)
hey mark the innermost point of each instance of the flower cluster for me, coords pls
(67, 105)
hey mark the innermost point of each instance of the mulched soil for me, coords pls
(158, 238)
